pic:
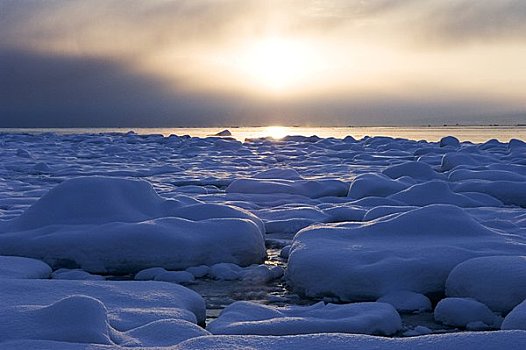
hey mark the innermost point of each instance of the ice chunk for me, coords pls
(497, 281)
(509, 340)
(449, 141)
(129, 303)
(416, 170)
(516, 319)
(434, 192)
(372, 184)
(77, 319)
(251, 318)
(18, 267)
(163, 333)
(465, 312)
(172, 243)
(74, 274)
(413, 251)
(407, 302)
(225, 132)
(307, 188)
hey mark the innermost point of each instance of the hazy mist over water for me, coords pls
(475, 134)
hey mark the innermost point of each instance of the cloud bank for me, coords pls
(180, 63)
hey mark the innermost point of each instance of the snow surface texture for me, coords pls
(497, 281)
(250, 318)
(412, 251)
(17, 267)
(466, 313)
(125, 313)
(117, 225)
(379, 219)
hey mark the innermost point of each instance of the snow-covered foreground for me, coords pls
(126, 240)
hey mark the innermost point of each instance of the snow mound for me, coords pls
(509, 340)
(94, 200)
(375, 185)
(161, 274)
(251, 318)
(75, 274)
(508, 192)
(164, 333)
(466, 313)
(434, 192)
(117, 225)
(77, 319)
(257, 274)
(407, 302)
(225, 132)
(18, 267)
(279, 173)
(412, 251)
(497, 281)
(307, 188)
(416, 170)
(172, 243)
(449, 141)
(129, 303)
(197, 212)
(516, 319)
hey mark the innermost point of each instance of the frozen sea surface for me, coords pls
(135, 239)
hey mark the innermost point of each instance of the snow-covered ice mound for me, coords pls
(94, 201)
(497, 281)
(121, 226)
(438, 192)
(407, 302)
(516, 319)
(375, 184)
(18, 267)
(287, 181)
(130, 304)
(77, 319)
(509, 340)
(467, 313)
(413, 169)
(256, 319)
(411, 251)
(84, 319)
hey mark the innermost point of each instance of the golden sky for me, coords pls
(259, 62)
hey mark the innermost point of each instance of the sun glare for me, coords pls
(276, 132)
(277, 64)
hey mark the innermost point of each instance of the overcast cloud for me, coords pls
(174, 63)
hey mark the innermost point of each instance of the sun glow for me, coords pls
(276, 132)
(277, 64)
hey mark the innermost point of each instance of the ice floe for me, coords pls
(402, 224)
(256, 319)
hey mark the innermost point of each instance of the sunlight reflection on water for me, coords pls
(464, 133)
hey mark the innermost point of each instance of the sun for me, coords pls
(276, 132)
(277, 64)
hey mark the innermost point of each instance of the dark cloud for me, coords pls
(54, 91)
(38, 90)
(81, 63)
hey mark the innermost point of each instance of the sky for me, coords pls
(164, 63)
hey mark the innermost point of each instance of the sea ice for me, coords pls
(18, 267)
(412, 251)
(466, 313)
(497, 281)
(116, 225)
(251, 318)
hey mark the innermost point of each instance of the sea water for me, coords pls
(475, 134)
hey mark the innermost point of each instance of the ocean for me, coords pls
(475, 134)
